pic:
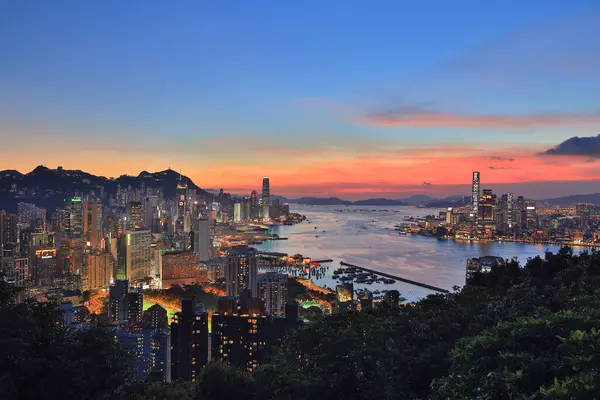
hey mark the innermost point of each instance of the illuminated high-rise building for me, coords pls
(135, 304)
(138, 259)
(240, 339)
(254, 210)
(266, 198)
(92, 223)
(246, 209)
(182, 199)
(189, 341)
(117, 301)
(241, 270)
(237, 211)
(99, 267)
(475, 194)
(520, 214)
(76, 217)
(136, 215)
(487, 210)
(9, 230)
(151, 213)
(272, 289)
(531, 214)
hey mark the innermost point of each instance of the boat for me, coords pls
(402, 233)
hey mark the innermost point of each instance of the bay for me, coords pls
(365, 236)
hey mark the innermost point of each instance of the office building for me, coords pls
(521, 214)
(136, 216)
(475, 194)
(182, 201)
(138, 260)
(237, 211)
(241, 270)
(202, 242)
(92, 223)
(531, 214)
(152, 214)
(43, 266)
(272, 289)
(76, 217)
(266, 198)
(189, 341)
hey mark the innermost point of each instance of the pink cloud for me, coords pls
(432, 119)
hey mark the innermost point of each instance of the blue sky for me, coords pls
(224, 89)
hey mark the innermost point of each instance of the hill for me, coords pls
(49, 187)
(577, 198)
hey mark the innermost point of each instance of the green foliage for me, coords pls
(40, 359)
(515, 333)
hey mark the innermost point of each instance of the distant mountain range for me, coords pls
(49, 187)
(576, 198)
(421, 200)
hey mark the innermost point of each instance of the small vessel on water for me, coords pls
(402, 233)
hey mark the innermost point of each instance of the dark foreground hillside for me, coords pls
(516, 333)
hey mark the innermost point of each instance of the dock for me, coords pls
(409, 281)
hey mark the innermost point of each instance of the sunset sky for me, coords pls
(354, 99)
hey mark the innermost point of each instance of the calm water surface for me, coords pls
(365, 236)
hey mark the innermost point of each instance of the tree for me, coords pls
(41, 359)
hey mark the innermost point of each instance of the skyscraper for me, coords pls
(92, 223)
(254, 211)
(241, 270)
(189, 341)
(136, 215)
(138, 259)
(9, 231)
(202, 239)
(117, 301)
(272, 289)
(181, 199)
(76, 217)
(475, 194)
(237, 211)
(99, 270)
(266, 198)
(239, 339)
(135, 304)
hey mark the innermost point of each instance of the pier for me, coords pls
(409, 281)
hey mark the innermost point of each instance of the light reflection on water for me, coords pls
(368, 239)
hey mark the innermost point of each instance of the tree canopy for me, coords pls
(517, 332)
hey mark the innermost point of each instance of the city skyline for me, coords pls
(355, 101)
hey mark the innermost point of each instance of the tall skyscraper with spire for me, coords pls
(266, 197)
(475, 193)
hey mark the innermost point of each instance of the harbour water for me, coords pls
(365, 236)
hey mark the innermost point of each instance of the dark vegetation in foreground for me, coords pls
(515, 333)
